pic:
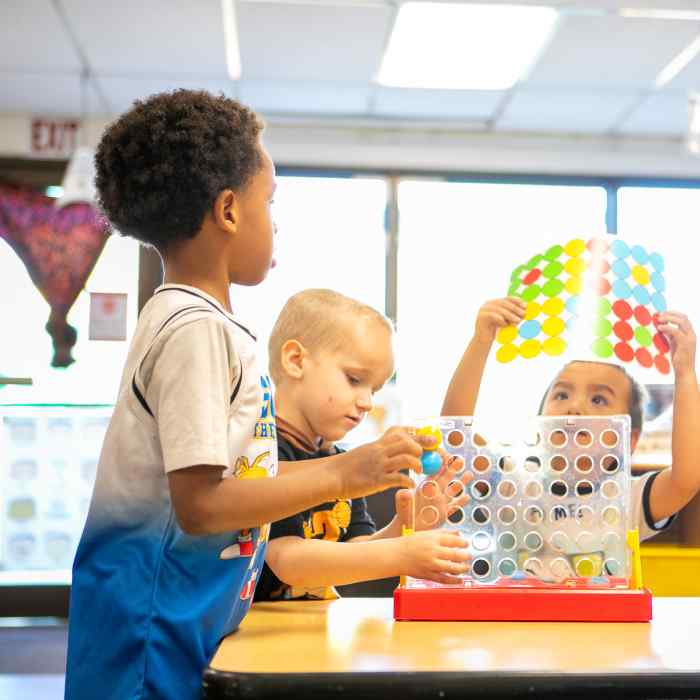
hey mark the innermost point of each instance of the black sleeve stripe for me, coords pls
(238, 383)
(139, 396)
(646, 496)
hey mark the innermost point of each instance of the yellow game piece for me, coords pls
(574, 285)
(575, 266)
(532, 311)
(530, 349)
(507, 334)
(554, 346)
(507, 353)
(633, 544)
(575, 247)
(433, 431)
(553, 307)
(640, 275)
(553, 326)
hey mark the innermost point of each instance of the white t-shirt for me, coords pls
(149, 603)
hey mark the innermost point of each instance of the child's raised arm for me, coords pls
(674, 487)
(463, 390)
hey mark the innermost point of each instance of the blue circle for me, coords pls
(657, 279)
(639, 254)
(619, 249)
(659, 302)
(431, 462)
(621, 289)
(657, 262)
(621, 269)
(571, 323)
(530, 329)
(641, 295)
(572, 304)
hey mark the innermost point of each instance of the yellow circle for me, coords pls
(507, 334)
(575, 247)
(532, 311)
(530, 349)
(640, 275)
(432, 431)
(574, 285)
(554, 346)
(553, 307)
(574, 266)
(507, 353)
(553, 326)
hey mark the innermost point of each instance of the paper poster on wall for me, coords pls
(107, 316)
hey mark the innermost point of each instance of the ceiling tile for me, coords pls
(447, 104)
(663, 113)
(47, 95)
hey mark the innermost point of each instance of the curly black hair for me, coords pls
(162, 164)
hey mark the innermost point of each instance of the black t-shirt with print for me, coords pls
(336, 521)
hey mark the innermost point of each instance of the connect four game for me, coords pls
(596, 297)
(545, 518)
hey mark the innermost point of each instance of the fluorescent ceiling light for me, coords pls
(678, 63)
(641, 13)
(464, 47)
(233, 51)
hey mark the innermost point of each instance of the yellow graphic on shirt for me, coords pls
(246, 470)
(329, 524)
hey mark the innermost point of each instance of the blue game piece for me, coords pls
(657, 262)
(659, 302)
(619, 249)
(621, 269)
(657, 279)
(621, 289)
(572, 304)
(431, 462)
(639, 254)
(530, 329)
(641, 295)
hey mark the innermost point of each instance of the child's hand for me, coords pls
(496, 314)
(433, 555)
(376, 466)
(450, 494)
(681, 338)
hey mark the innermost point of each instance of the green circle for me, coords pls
(643, 336)
(553, 288)
(531, 293)
(533, 262)
(602, 347)
(506, 567)
(553, 269)
(553, 253)
(602, 328)
(515, 275)
(604, 307)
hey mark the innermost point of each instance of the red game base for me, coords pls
(524, 604)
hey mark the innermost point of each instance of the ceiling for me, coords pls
(318, 59)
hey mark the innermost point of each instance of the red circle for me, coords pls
(662, 364)
(644, 357)
(624, 352)
(602, 286)
(622, 309)
(641, 313)
(661, 343)
(597, 245)
(532, 276)
(623, 330)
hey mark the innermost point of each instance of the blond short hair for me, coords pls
(313, 317)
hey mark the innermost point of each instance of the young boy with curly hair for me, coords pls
(176, 536)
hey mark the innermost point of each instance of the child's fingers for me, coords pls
(446, 566)
(396, 480)
(455, 554)
(450, 538)
(681, 320)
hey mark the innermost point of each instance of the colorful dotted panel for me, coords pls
(623, 287)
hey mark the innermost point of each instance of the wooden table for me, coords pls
(353, 648)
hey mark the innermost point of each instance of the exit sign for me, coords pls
(53, 138)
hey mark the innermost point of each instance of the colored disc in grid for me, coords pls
(553, 269)
(662, 364)
(507, 334)
(575, 247)
(641, 294)
(531, 293)
(597, 246)
(534, 261)
(660, 342)
(659, 302)
(657, 262)
(601, 286)
(643, 336)
(621, 289)
(553, 253)
(532, 276)
(619, 249)
(553, 326)
(644, 357)
(530, 349)
(624, 352)
(602, 328)
(529, 329)
(572, 304)
(602, 347)
(571, 323)
(603, 307)
(575, 266)
(621, 269)
(552, 307)
(623, 330)
(517, 273)
(642, 315)
(622, 309)
(552, 288)
(574, 285)
(507, 353)
(554, 346)
(532, 311)
(640, 275)
(639, 254)
(657, 279)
